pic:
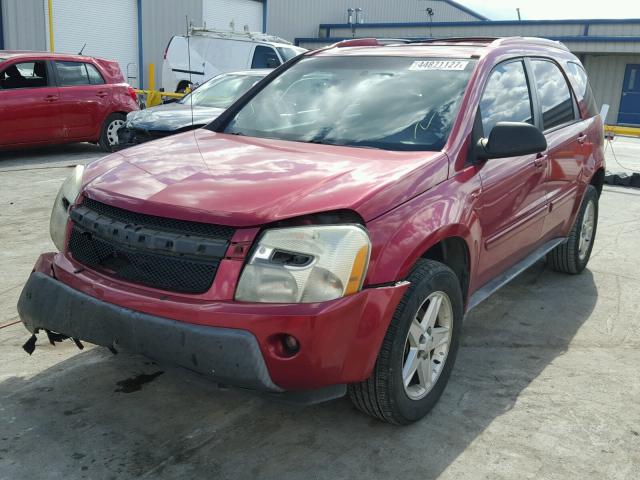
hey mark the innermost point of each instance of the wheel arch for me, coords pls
(453, 252)
(597, 180)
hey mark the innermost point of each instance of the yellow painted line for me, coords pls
(629, 131)
(50, 8)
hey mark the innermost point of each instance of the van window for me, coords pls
(556, 102)
(264, 57)
(583, 87)
(24, 75)
(506, 97)
(77, 73)
(287, 53)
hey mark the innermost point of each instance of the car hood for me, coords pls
(243, 181)
(171, 116)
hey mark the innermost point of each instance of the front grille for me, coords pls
(165, 224)
(158, 252)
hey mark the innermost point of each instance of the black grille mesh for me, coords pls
(165, 224)
(165, 272)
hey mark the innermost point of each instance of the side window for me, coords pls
(77, 73)
(582, 87)
(94, 75)
(264, 57)
(506, 97)
(24, 75)
(556, 102)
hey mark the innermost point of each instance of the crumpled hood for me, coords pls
(171, 116)
(243, 181)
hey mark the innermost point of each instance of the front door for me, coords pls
(513, 201)
(29, 104)
(629, 113)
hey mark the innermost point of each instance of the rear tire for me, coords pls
(573, 255)
(393, 393)
(109, 133)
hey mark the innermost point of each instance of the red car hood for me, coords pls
(244, 181)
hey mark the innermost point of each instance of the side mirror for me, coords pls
(510, 139)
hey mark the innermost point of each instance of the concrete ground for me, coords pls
(546, 385)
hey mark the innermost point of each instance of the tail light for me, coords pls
(132, 93)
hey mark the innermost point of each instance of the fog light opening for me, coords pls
(290, 344)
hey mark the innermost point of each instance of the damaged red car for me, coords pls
(328, 232)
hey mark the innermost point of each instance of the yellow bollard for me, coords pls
(152, 77)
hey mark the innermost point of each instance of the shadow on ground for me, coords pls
(49, 156)
(75, 419)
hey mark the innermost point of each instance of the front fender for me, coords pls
(403, 235)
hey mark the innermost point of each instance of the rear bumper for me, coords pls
(228, 341)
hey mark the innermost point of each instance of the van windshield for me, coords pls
(221, 91)
(392, 103)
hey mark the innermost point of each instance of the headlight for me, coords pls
(306, 264)
(60, 212)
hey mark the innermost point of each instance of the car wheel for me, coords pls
(418, 351)
(573, 255)
(109, 133)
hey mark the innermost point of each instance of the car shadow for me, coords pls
(51, 155)
(95, 415)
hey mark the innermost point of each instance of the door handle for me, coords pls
(582, 138)
(540, 160)
(101, 94)
(50, 98)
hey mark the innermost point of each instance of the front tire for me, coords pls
(573, 255)
(109, 133)
(418, 351)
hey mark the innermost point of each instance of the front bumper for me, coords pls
(226, 354)
(228, 341)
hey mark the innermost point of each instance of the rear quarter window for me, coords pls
(582, 87)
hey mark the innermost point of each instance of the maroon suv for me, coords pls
(329, 231)
(48, 98)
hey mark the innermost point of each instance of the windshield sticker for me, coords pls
(438, 65)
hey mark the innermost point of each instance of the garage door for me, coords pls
(110, 30)
(221, 14)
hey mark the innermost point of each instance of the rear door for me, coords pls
(568, 144)
(29, 104)
(85, 99)
(513, 200)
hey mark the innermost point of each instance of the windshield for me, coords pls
(221, 91)
(393, 103)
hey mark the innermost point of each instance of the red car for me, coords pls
(48, 98)
(329, 231)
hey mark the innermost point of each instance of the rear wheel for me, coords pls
(573, 255)
(109, 134)
(418, 351)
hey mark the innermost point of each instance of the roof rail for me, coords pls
(455, 39)
(235, 35)
(536, 40)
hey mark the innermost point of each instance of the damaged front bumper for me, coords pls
(229, 355)
(230, 342)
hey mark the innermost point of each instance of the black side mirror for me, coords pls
(510, 139)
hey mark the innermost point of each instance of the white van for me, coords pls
(215, 51)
